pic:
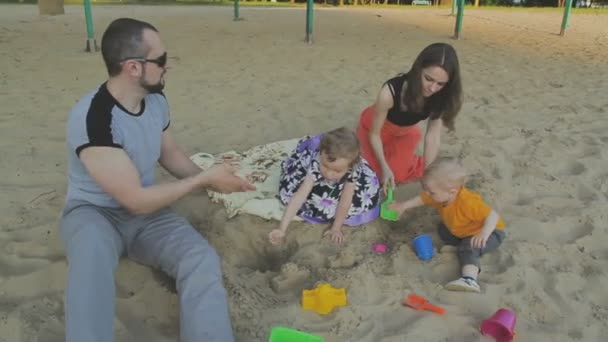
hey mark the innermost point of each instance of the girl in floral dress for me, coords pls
(325, 180)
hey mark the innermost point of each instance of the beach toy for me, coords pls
(423, 245)
(282, 334)
(501, 325)
(385, 212)
(380, 248)
(323, 298)
(421, 303)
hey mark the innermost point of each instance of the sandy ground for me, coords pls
(533, 134)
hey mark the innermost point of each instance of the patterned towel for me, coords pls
(261, 165)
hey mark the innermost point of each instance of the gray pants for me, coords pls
(467, 254)
(95, 238)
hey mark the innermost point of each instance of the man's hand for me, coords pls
(222, 178)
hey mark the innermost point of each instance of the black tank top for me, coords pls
(395, 114)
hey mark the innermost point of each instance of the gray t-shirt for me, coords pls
(97, 119)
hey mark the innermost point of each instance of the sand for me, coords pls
(532, 133)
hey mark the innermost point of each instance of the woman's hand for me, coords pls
(388, 179)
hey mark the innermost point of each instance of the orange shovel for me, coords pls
(420, 303)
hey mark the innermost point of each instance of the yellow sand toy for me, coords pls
(323, 298)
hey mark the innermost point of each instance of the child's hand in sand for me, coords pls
(479, 240)
(276, 236)
(335, 235)
(399, 207)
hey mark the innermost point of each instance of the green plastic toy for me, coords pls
(385, 212)
(282, 334)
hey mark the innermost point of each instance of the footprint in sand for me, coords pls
(591, 150)
(568, 234)
(481, 124)
(525, 199)
(586, 195)
(448, 267)
(552, 281)
(12, 265)
(497, 262)
(572, 168)
(444, 272)
(487, 153)
(519, 286)
(601, 254)
(600, 183)
(575, 334)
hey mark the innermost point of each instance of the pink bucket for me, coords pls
(501, 325)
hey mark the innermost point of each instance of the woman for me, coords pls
(388, 130)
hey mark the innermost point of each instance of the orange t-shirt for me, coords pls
(466, 214)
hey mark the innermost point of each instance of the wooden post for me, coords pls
(50, 7)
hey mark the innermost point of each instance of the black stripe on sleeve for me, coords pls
(99, 121)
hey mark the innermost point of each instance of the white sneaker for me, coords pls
(464, 285)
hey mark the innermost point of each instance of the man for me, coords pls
(115, 136)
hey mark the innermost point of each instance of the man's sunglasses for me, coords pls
(160, 61)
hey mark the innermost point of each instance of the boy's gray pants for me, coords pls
(94, 239)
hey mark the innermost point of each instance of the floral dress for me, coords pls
(322, 202)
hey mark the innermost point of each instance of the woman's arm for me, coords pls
(432, 140)
(381, 108)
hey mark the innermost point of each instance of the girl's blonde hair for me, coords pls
(446, 172)
(341, 143)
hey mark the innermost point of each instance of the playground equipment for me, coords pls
(458, 5)
(236, 10)
(310, 20)
(459, 18)
(91, 44)
(566, 18)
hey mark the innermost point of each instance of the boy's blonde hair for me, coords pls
(446, 172)
(341, 143)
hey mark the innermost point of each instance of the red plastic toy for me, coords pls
(421, 303)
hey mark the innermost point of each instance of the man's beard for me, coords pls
(151, 88)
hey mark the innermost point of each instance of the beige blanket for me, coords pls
(261, 165)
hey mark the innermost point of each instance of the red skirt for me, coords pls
(399, 145)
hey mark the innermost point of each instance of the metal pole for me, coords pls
(90, 33)
(566, 19)
(459, 19)
(236, 10)
(309, 21)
